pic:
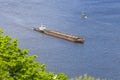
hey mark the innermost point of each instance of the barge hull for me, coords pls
(61, 35)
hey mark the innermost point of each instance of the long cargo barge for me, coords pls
(64, 36)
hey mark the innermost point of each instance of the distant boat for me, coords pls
(84, 16)
(57, 34)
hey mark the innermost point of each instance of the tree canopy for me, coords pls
(16, 64)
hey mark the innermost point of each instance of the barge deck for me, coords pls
(64, 36)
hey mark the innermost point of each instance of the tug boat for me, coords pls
(57, 34)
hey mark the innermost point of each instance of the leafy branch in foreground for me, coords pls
(16, 64)
(85, 77)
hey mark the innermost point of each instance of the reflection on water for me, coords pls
(98, 57)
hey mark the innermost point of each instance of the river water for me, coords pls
(99, 56)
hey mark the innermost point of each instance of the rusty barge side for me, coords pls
(61, 35)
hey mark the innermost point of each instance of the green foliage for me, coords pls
(85, 77)
(16, 64)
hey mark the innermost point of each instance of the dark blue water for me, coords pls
(99, 56)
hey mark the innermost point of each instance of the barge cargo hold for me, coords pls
(57, 34)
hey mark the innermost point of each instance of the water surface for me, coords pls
(99, 56)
